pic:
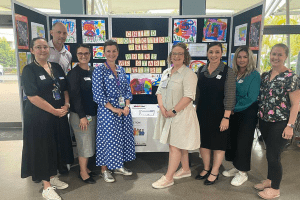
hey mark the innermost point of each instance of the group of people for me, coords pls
(227, 101)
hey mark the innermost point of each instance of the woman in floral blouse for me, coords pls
(278, 109)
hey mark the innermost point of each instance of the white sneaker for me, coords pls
(239, 179)
(231, 172)
(50, 194)
(58, 184)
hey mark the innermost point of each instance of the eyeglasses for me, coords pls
(177, 54)
(41, 47)
(83, 54)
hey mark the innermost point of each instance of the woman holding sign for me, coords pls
(114, 138)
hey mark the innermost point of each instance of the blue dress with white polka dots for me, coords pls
(114, 139)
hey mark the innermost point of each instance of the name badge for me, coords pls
(42, 77)
(87, 78)
(164, 83)
(240, 81)
(111, 77)
(61, 78)
(280, 78)
(218, 77)
(121, 102)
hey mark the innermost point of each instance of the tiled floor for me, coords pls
(147, 168)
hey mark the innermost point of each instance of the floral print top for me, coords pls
(274, 101)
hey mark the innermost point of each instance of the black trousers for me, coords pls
(272, 135)
(242, 127)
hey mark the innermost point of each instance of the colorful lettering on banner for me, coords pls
(134, 56)
(152, 70)
(155, 40)
(144, 63)
(167, 39)
(146, 33)
(128, 33)
(126, 41)
(121, 62)
(153, 33)
(128, 70)
(134, 34)
(127, 63)
(146, 70)
(120, 40)
(140, 70)
(153, 56)
(150, 47)
(131, 47)
(147, 56)
(134, 70)
(137, 40)
(138, 63)
(131, 41)
(150, 63)
(144, 40)
(158, 70)
(137, 47)
(156, 63)
(144, 47)
(161, 39)
(162, 63)
(149, 40)
(114, 39)
(140, 33)
(140, 56)
(128, 56)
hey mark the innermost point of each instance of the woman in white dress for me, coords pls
(177, 122)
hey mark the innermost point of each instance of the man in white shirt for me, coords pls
(58, 53)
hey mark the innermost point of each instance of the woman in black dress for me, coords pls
(45, 136)
(215, 99)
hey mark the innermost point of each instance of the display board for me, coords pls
(197, 32)
(92, 31)
(143, 44)
(246, 30)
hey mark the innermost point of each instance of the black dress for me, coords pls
(210, 110)
(46, 138)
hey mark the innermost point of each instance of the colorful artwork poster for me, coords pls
(37, 30)
(98, 52)
(156, 79)
(22, 61)
(140, 130)
(93, 31)
(71, 29)
(22, 31)
(128, 78)
(240, 35)
(214, 30)
(231, 59)
(185, 30)
(196, 64)
(224, 48)
(254, 35)
(141, 84)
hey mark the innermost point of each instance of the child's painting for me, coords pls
(214, 30)
(98, 52)
(254, 35)
(185, 30)
(22, 31)
(196, 64)
(141, 84)
(71, 29)
(93, 31)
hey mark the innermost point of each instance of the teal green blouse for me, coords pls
(247, 91)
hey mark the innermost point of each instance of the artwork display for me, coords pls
(254, 35)
(22, 61)
(214, 30)
(98, 52)
(240, 35)
(37, 30)
(224, 47)
(71, 29)
(141, 83)
(93, 31)
(22, 31)
(185, 30)
(196, 64)
(198, 50)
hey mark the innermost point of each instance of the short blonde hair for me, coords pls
(251, 66)
(187, 56)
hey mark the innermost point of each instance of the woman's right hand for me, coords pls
(118, 111)
(163, 111)
(83, 124)
(60, 112)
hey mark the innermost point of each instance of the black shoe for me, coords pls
(199, 177)
(90, 180)
(207, 182)
(63, 169)
(93, 174)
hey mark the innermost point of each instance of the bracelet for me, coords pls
(226, 118)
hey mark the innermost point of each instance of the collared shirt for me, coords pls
(63, 57)
(229, 88)
(274, 100)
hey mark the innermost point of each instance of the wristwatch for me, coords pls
(128, 105)
(174, 111)
(291, 125)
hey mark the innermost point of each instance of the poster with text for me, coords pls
(22, 31)
(214, 30)
(254, 35)
(141, 83)
(37, 30)
(140, 131)
(196, 64)
(98, 52)
(185, 30)
(93, 31)
(198, 50)
(71, 29)
(240, 35)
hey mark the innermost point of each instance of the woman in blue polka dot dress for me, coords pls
(114, 139)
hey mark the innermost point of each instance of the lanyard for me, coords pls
(117, 78)
(55, 81)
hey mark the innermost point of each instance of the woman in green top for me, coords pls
(244, 117)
